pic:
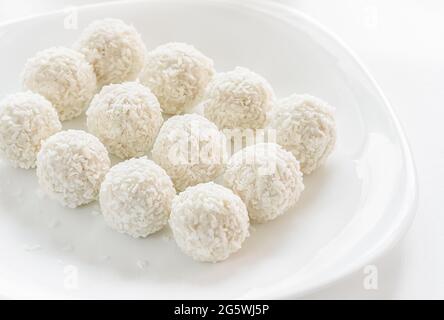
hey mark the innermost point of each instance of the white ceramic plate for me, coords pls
(353, 209)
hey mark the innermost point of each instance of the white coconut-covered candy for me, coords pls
(305, 126)
(62, 76)
(267, 178)
(177, 73)
(136, 197)
(71, 166)
(114, 49)
(238, 99)
(126, 118)
(26, 119)
(191, 149)
(209, 222)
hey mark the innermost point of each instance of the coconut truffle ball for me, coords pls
(136, 197)
(267, 178)
(126, 118)
(114, 49)
(26, 119)
(71, 166)
(63, 77)
(306, 127)
(177, 73)
(238, 99)
(191, 150)
(209, 222)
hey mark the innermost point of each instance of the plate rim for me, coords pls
(410, 195)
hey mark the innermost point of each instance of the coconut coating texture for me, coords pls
(71, 166)
(126, 118)
(238, 99)
(114, 49)
(267, 178)
(26, 119)
(305, 126)
(209, 222)
(191, 150)
(177, 73)
(136, 197)
(63, 77)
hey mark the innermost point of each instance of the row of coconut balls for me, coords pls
(208, 221)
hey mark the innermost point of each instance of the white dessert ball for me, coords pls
(177, 73)
(209, 222)
(305, 126)
(267, 178)
(126, 118)
(62, 76)
(114, 49)
(191, 149)
(26, 119)
(136, 197)
(238, 99)
(71, 166)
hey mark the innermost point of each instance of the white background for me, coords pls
(402, 44)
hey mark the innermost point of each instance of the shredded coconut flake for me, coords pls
(26, 119)
(267, 178)
(114, 49)
(71, 166)
(238, 99)
(306, 127)
(209, 222)
(62, 76)
(126, 118)
(32, 247)
(136, 196)
(189, 166)
(142, 264)
(177, 74)
(167, 237)
(95, 213)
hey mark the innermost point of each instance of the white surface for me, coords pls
(398, 40)
(331, 232)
